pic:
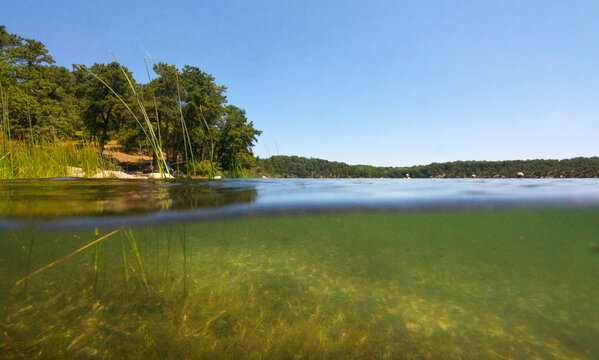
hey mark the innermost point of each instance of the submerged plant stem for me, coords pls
(29, 256)
(125, 264)
(38, 271)
(148, 130)
(95, 262)
(184, 240)
(168, 252)
(144, 279)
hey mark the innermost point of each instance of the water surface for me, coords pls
(62, 202)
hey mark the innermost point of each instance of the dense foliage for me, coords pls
(185, 109)
(300, 167)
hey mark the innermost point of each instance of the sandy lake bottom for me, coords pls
(500, 284)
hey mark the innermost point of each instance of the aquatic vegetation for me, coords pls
(51, 159)
(146, 126)
(480, 285)
(6, 135)
(67, 257)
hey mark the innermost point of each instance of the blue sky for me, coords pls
(364, 82)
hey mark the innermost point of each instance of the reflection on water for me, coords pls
(501, 284)
(42, 199)
(64, 203)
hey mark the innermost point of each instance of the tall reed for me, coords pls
(133, 243)
(125, 263)
(184, 245)
(6, 154)
(95, 266)
(168, 252)
(186, 139)
(146, 126)
(155, 102)
(29, 256)
(67, 257)
(209, 135)
(188, 151)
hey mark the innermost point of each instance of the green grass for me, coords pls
(51, 159)
(6, 153)
(46, 159)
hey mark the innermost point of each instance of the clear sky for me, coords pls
(363, 82)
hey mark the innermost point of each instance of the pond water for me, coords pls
(300, 269)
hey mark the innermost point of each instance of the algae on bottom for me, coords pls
(501, 284)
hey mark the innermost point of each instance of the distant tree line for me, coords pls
(301, 167)
(45, 102)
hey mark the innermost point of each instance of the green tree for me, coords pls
(101, 110)
(38, 93)
(205, 105)
(235, 138)
(165, 91)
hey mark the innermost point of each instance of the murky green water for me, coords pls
(463, 284)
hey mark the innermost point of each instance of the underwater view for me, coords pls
(299, 269)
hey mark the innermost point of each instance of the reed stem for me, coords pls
(186, 139)
(95, 262)
(95, 266)
(133, 244)
(148, 129)
(168, 252)
(29, 257)
(6, 136)
(155, 103)
(125, 263)
(40, 270)
(184, 243)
